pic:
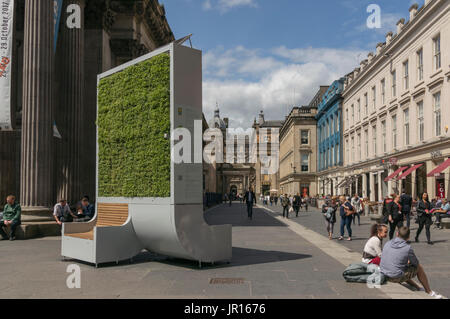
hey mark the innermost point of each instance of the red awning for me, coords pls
(408, 172)
(395, 174)
(438, 170)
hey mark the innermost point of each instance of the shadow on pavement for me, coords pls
(241, 257)
(236, 215)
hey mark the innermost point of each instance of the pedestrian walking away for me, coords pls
(285, 202)
(250, 200)
(297, 203)
(406, 203)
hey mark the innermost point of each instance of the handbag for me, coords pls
(291, 210)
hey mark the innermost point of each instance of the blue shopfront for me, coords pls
(329, 132)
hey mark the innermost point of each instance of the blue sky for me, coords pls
(271, 54)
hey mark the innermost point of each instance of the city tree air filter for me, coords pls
(146, 199)
(133, 123)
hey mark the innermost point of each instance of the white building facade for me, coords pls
(396, 110)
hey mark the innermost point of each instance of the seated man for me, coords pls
(11, 217)
(62, 213)
(400, 264)
(443, 212)
(88, 210)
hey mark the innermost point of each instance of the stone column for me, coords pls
(364, 186)
(380, 186)
(356, 186)
(447, 183)
(431, 181)
(372, 187)
(391, 184)
(413, 185)
(68, 112)
(37, 189)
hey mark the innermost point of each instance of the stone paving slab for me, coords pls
(274, 262)
(435, 259)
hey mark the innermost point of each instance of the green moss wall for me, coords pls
(133, 117)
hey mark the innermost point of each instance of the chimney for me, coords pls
(400, 25)
(413, 11)
(389, 37)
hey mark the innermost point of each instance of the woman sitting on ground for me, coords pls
(373, 248)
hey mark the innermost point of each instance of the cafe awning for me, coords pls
(409, 171)
(438, 170)
(395, 174)
(341, 184)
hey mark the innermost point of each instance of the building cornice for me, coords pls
(385, 54)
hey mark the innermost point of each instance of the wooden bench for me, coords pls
(108, 215)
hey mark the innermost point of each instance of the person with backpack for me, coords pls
(395, 216)
(285, 202)
(329, 213)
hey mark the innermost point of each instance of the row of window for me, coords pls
(437, 64)
(356, 153)
(329, 158)
(331, 127)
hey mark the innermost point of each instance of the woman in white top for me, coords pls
(373, 248)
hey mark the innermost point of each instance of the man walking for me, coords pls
(406, 203)
(11, 217)
(285, 202)
(297, 203)
(250, 199)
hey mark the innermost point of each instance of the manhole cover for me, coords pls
(227, 281)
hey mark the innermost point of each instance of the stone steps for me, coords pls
(30, 230)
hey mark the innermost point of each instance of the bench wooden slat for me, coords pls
(108, 215)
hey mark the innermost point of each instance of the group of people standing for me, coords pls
(350, 209)
(293, 204)
(397, 209)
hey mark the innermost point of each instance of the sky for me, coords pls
(272, 55)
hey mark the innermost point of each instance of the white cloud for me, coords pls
(226, 5)
(245, 81)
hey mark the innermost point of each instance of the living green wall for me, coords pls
(133, 119)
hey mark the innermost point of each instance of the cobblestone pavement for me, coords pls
(435, 259)
(269, 259)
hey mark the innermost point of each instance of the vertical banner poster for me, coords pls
(6, 43)
(57, 8)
